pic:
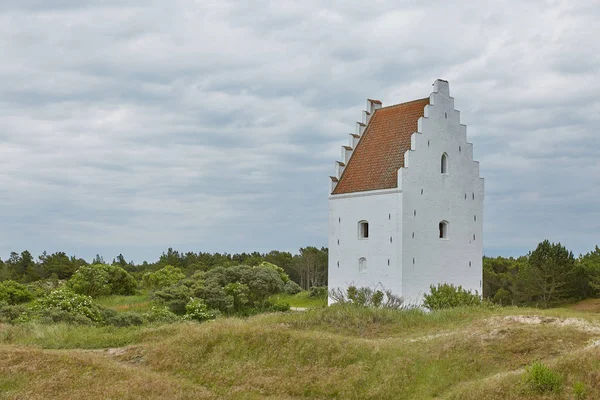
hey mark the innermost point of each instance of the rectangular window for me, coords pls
(363, 230)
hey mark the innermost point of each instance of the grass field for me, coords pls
(323, 353)
(301, 300)
(138, 303)
(333, 353)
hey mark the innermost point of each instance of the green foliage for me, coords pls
(367, 297)
(120, 281)
(164, 277)
(591, 266)
(502, 297)
(240, 293)
(579, 391)
(262, 282)
(174, 297)
(14, 313)
(540, 379)
(449, 296)
(284, 277)
(69, 302)
(549, 274)
(127, 318)
(14, 293)
(318, 291)
(197, 310)
(291, 287)
(90, 280)
(101, 280)
(161, 315)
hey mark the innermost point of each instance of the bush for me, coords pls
(161, 314)
(90, 280)
(14, 293)
(216, 297)
(502, 297)
(101, 279)
(318, 291)
(196, 310)
(449, 296)
(69, 302)
(164, 277)
(540, 379)
(284, 277)
(56, 315)
(174, 297)
(291, 287)
(367, 297)
(13, 313)
(127, 318)
(120, 281)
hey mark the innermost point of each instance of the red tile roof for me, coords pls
(379, 154)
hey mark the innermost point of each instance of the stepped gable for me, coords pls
(379, 153)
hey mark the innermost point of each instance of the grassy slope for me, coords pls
(301, 300)
(333, 352)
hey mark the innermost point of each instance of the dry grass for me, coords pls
(344, 353)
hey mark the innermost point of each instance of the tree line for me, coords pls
(308, 268)
(548, 275)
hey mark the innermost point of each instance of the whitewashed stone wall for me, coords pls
(404, 252)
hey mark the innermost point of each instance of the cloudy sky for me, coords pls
(130, 126)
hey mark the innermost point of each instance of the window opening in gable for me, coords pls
(363, 230)
(443, 227)
(362, 265)
(444, 163)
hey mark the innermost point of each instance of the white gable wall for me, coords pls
(381, 210)
(434, 196)
(457, 259)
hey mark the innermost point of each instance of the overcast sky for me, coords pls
(131, 126)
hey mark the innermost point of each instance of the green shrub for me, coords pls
(215, 297)
(318, 291)
(127, 318)
(175, 297)
(69, 302)
(14, 293)
(502, 297)
(55, 315)
(120, 281)
(240, 294)
(449, 296)
(196, 310)
(291, 287)
(164, 277)
(101, 279)
(367, 297)
(540, 379)
(13, 313)
(284, 277)
(161, 315)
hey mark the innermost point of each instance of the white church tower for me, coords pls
(406, 204)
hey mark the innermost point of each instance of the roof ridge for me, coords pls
(405, 103)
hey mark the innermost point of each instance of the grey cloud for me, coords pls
(213, 125)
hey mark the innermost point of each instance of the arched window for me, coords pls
(444, 163)
(443, 229)
(363, 230)
(362, 265)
